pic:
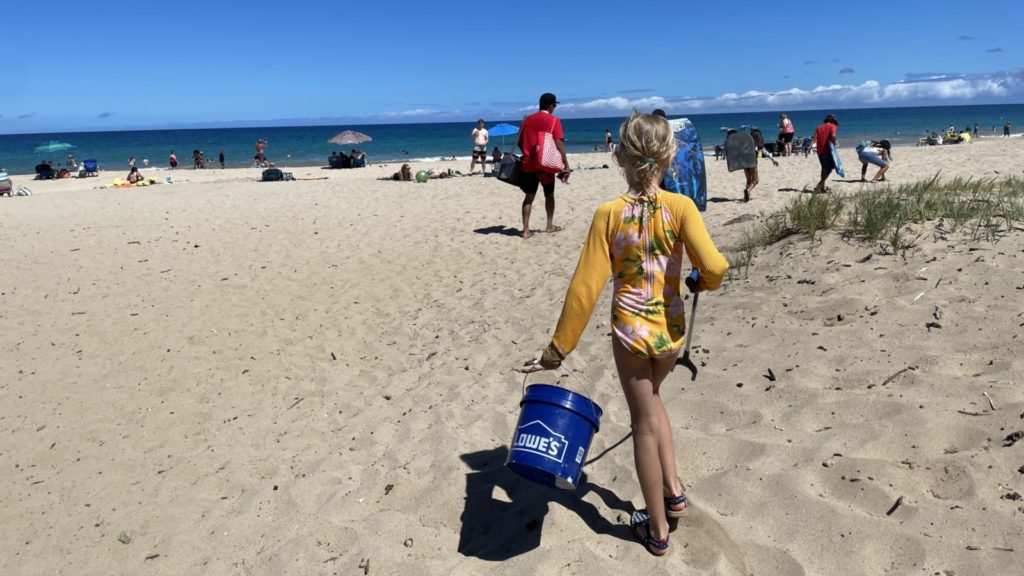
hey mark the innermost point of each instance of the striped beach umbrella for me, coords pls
(349, 137)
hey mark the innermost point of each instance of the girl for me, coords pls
(751, 173)
(877, 153)
(640, 238)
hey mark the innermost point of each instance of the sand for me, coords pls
(221, 376)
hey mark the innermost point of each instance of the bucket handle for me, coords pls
(536, 362)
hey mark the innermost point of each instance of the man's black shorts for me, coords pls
(786, 137)
(528, 183)
(826, 161)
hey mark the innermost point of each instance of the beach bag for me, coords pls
(547, 156)
(272, 175)
(509, 169)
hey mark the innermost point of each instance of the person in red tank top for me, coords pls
(824, 135)
(531, 176)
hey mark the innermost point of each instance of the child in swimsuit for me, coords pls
(639, 239)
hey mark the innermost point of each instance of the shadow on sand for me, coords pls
(503, 230)
(497, 529)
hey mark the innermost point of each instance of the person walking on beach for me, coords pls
(639, 239)
(1006, 130)
(786, 131)
(131, 161)
(221, 157)
(751, 173)
(173, 160)
(607, 140)
(824, 135)
(533, 174)
(975, 130)
(877, 153)
(480, 139)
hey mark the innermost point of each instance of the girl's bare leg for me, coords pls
(653, 452)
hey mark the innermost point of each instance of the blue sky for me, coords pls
(106, 64)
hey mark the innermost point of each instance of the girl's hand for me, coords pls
(544, 361)
(530, 366)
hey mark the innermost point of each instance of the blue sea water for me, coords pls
(307, 145)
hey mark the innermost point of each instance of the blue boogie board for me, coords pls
(686, 175)
(836, 160)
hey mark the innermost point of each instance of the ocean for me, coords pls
(307, 145)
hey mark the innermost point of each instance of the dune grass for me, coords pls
(984, 209)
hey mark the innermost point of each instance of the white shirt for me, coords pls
(480, 137)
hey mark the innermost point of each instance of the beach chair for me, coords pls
(89, 168)
(5, 183)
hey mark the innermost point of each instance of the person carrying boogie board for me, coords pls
(686, 175)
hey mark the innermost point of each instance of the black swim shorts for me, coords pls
(826, 161)
(529, 182)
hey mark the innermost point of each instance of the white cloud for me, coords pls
(931, 89)
(408, 113)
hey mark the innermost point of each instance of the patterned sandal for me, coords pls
(671, 501)
(641, 519)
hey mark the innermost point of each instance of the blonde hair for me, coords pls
(646, 148)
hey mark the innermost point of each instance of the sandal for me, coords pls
(671, 501)
(641, 519)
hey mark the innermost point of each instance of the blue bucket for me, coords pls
(553, 436)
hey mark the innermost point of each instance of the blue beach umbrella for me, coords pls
(53, 146)
(503, 130)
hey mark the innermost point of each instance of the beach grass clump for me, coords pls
(984, 209)
(816, 213)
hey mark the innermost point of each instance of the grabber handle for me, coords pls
(692, 281)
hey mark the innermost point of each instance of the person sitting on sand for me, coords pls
(877, 153)
(403, 175)
(134, 176)
(654, 228)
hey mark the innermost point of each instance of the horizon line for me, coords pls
(312, 122)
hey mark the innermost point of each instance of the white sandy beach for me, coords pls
(223, 376)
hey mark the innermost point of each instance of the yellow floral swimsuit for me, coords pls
(639, 240)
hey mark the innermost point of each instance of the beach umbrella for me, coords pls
(503, 130)
(53, 146)
(349, 137)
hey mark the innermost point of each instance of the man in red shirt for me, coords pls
(531, 175)
(824, 135)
